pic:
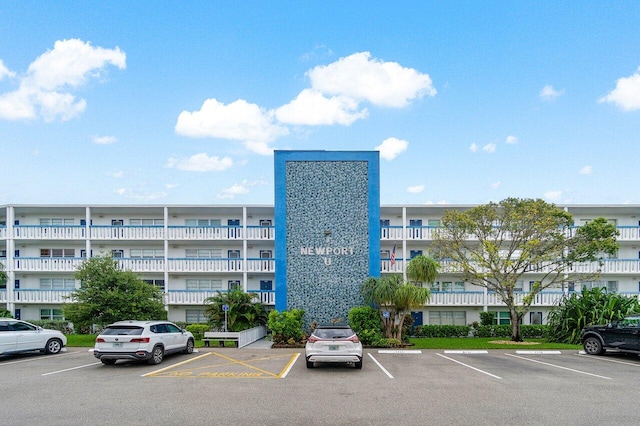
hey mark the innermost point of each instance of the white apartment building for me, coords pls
(191, 252)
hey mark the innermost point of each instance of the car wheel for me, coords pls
(157, 355)
(108, 361)
(592, 346)
(358, 365)
(310, 364)
(53, 346)
(189, 348)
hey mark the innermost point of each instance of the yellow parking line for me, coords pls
(176, 365)
(235, 361)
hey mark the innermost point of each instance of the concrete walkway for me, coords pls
(259, 344)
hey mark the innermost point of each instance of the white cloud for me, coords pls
(391, 148)
(239, 120)
(104, 140)
(200, 163)
(511, 140)
(490, 147)
(495, 185)
(45, 90)
(626, 95)
(117, 174)
(238, 189)
(5, 72)
(473, 147)
(360, 77)
(415, 189)
(586, 170)
(548, 93)
(553, 196)
(312, 108)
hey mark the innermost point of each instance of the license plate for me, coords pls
(334, 347)
(117, 345)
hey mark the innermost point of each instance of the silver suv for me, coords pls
(333, 343)
(142, 341)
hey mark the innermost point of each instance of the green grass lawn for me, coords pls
(88, 340)
(485, 343)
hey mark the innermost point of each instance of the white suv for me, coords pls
(20, 336)
(141, 340)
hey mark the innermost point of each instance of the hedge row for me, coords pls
(503, 331)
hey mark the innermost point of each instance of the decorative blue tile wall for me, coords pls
(324, 249)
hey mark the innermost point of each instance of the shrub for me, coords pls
(5, 313)
(487, 318)
(60, 325)
(442, 330)
(388, 343)
(365, 321)
(286, 325)
(198, 330)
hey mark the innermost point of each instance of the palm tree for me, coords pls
(243, 311)
(422, 269)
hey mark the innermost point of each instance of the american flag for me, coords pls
(393, 255)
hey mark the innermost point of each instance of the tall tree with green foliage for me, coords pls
(496, 244)
(394, 299)
(3, 276)
(108, 294)
(244, 310)
(422, 270)
(589, 307)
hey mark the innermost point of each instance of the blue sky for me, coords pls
(184, 102)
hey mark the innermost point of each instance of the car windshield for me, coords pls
(333, 333)
(123, 330)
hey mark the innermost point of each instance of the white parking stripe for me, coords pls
(380, 365)
(468, 366)
(70, 369)
(290, 366)
(41, 357)
(599, 358)
(559, 366)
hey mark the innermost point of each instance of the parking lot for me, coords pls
(273, 386)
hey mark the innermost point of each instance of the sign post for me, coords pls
(225, 308)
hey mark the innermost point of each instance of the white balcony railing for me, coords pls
(204, 265)
(387, 267)
(47, 264)
(127, 232)
(261, 232)
(204, 233)
(40, 232)
(3, 296)
(3, 232)
(198, 297)
(261, 265)
(41, 296)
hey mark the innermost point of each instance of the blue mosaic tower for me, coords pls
(327, 217)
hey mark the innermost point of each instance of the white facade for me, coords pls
(193, 251)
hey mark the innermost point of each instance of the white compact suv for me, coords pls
(141, 340)
(333, 343)
(20, 336)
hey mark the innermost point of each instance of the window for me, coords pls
(610, 286)
(57, 284)
(146, 253)
(51, 314)
(448, 317)
(202, 222)
(194, 284)
(266, 254)
(117, 222)
(117, 254)
(434, 222)
(535, 317)
(502, 318)
(195, 316)
(57, 252)
(146, 222)
(55, 221)
(157, 283)
(234, 285)
(3, 253)
(385, 254)
(204, 253)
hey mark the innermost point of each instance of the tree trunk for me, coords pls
(516, 319)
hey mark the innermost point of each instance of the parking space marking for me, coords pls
(466, 352)
(471, 367)
(559, 366)
(399, 351)
(36, 358)
(70, 369)
(204, 371)
(583, 354)
(176, 365)
(380, 365)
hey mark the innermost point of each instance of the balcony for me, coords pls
(197, 297)
(49, 232)
(261, 233)
(204, 265)
(107, 232)
(609, 266)
(42, 296)
(3, 296)
(3, 232)
(204, 233)
(47, 264)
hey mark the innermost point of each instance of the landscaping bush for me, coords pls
(198, 330)
(442, 331)
(487, 318)
(5, 313)
(286, 326)
(365, 321)
(60, 325)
